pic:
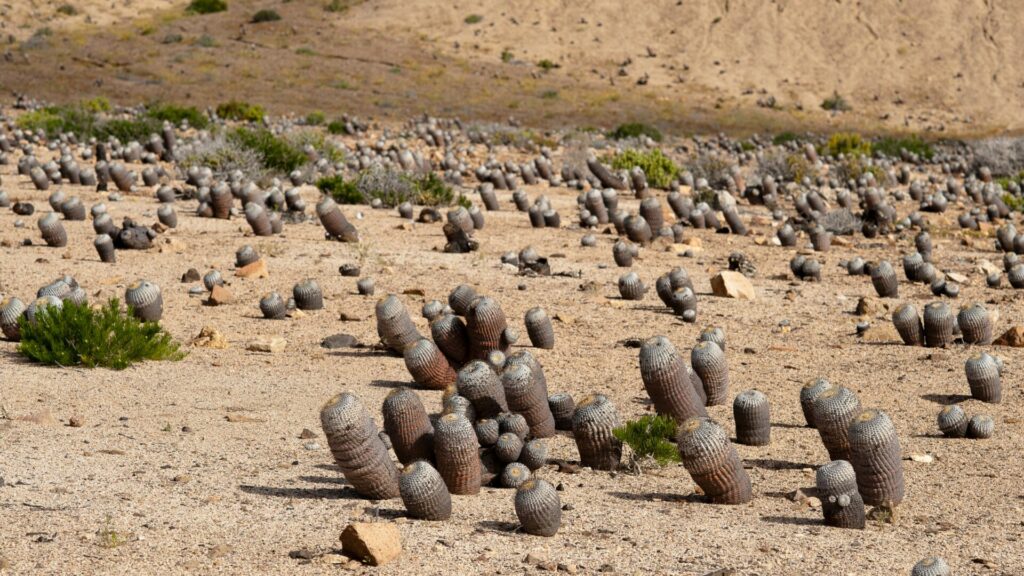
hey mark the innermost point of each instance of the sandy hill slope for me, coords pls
(942, 67)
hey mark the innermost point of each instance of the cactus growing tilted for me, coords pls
(666, 378)
(875, 455)
(592, 425)
(538, 507)
(712, 462)
(357, 447)
(424, 492)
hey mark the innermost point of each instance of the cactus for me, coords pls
(357, 447)
(975, 324)
(538, 507)
(952, 421)
(424, 492)
(808, 394)
(337, 226)
(841, 503)
(510, 422)
(631, 287)
(450, 335)
(931, 566)
(485, 323)
(11, 309)
(713, 334)
(428, 366)
(883, 277)
(667, 380)
(394, 326)
(983, 378)
(53, 231)
(593, 424)
(752, 415)
(456, 451)
(712, 462)
(525, 396)
(938, 325)
(508, 447)
(562, 408)
(487, 432)
(539, 329)
(272, 306)
(145, 300)
(981, 427)
(481, 386)
(875, 455)
(908, 324)
(307, 295)
(834, 411)
(709, 363)
(514, 475)
(534, 454)
(104, 245)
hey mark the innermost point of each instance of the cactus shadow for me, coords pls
(391, 384)
(793, 426)
(651, 496)
(792, 521)
(774, 464)
(945, 399)
(497, 526)
(324, 480)
(345, 493)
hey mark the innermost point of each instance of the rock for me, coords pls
(76, 422)
(884, 332)
(840, 241)
(339, 341)
(731, 284)
(307, 434)
(1013, 337)
(374, 543)
(922, 458)
(869, 306)
(257, 269)
(270, 344)
(192, 275)
(210, 337)
(987, 268)
(181, 479)
(957, 277)
(220, 296)
(302, 554)
(346, 317)
(240, 418)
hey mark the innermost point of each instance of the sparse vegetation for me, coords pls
(77, 335)
(336, 6)
(276, 153)
(67, 10)
(265, 15)
(506, 55)
(855, 166)
(635, 130)
(1003, 156)
(659, 169)
(847, 144)
(1015, 203)
(336, 127)
(473, 19)
(785, 138)
(547, 65)
(340, 190)
(315, 118)
(223, 156)
(241, 111)
(836, 103)
(175, 114)
(128, 129)
(206, 6)
(650, 437)
(549, 94)
(712, 167)
(892, 147)
(784, 166)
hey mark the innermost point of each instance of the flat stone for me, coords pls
(220, 296)
(375, 543)
(732, 284)
(339, 341)
(883, 332)
(1013, 337)
(257, 269)
(269, 344)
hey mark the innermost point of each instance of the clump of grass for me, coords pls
(336, 127)
(1015, 203)
(336, 6)
(785, 138)
(847, 144)
(893, 146)
(836, 103)
(650, 436)
(241, 111)
(53, 120)
(547, 65)
(97, 104)
(506, 55)
(265, 15)
(206, 41)
(659, 169)
(175, 114)
(128, 129)
(77, 335)
(67, 10)
(549, 94)
(206, 6)
(473, 19)
(341, 191)
(275, 153)
(315, 118)
(108, 537)
(635, 130)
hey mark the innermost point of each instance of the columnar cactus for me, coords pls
(451, 336)
(983, 378)
(460, 298)
(357, 448)
(875, 455)
(841, 503)
(709, 363)
(834, 411)
(975, 324)
(272, 306)
(428, 366)
(712, 462)
(526, 397)
(456, 451)
(539, 329)
(308, 295)
(562, 408)
(145, 300)
(883, 277)
(931, 566)
(337, 226)
(908, 324)
(938, 325)
(394, 326)
(481, 386)
(104, 245)
(53, 231)
(592, 424)
(408, 426)
(668, 383)
(752, 415)
(808, 394)
(486, 324)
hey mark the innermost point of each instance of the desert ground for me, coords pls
(217, 463)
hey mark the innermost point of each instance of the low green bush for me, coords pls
(276, 153)
(77, 335)
(341, 191)
(659, 169)
(241, 111)
(651, 436)
(848, 144)
(836, 103)
(174, 114)
(785, 138)
(265, 15)
(206, 6)
(892, 147)
(635, 130)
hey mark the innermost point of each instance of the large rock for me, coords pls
(257, 269)
(220, 296)
(731, 284)
(1013, 337)
(374, 543)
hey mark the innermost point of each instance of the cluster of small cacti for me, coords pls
(940, 328)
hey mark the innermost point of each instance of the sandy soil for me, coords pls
(159, 480)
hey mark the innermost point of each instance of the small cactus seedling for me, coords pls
(712, 462)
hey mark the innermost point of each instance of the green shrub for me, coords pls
(1015, 203)
(336, 127)
(241, 111)
(547, 65)
(715, 168)
(855, 166)
(275, 153)
(336, 6)
(327, 149)
(315, 118)
(265, 15)
(785, 138)
(659, 169)
(848, 144)
(506, 55)
(53, 120)
(77, 335)
(473, 19)
(176, 114)
(343, 192)
(206, 41)
(635, 130)
(67, 10)
(893, 146)
(651, 436)
(207, 6)
(549, 94)
(97, 104)
(433, 191)
(126, 130)
(836, 103)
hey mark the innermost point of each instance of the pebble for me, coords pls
(76, 422)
